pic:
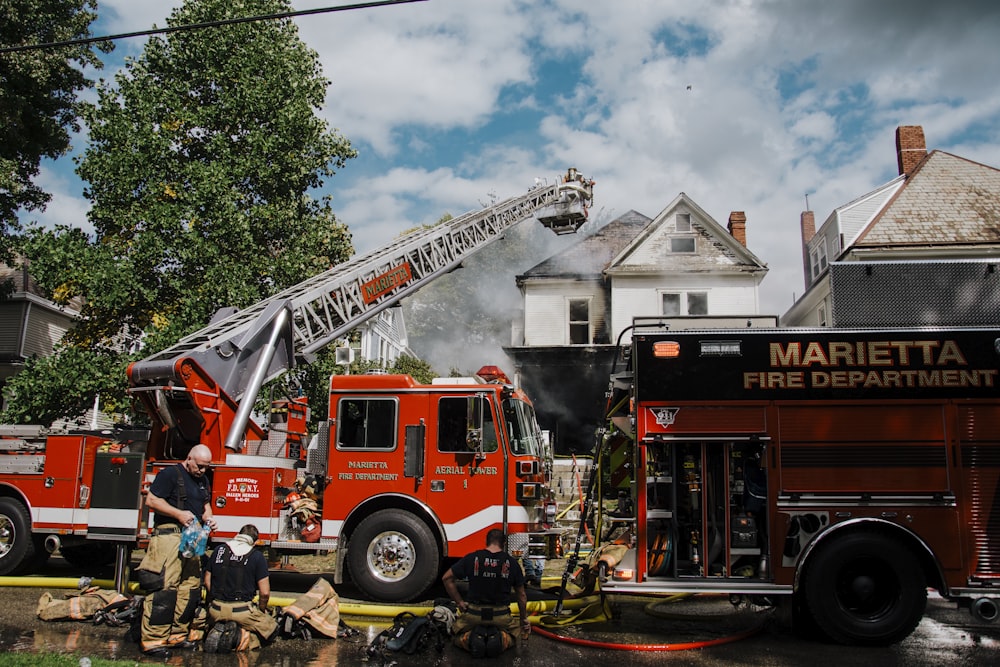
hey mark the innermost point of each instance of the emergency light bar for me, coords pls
(721, 348)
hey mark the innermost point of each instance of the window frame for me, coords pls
(683, 302)
(342, 422)
(818, 258)
(675, 251)
(571, 323)
(489, 425)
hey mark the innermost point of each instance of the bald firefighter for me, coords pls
(178, 496)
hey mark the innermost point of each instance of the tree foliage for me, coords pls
(38, 105)
(203, 153)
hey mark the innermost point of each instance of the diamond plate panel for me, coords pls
(915, 293)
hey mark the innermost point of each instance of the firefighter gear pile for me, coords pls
(304, 511)
(78, 605)
(315, 611)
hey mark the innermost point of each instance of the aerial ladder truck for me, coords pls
(400, 477)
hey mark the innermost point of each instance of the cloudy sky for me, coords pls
(743, 105)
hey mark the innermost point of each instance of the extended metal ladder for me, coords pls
(327, 306)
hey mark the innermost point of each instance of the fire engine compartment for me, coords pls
(704, 510)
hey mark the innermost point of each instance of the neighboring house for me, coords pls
(30, 324)
(578, 303)
(922, 249)
(383, 338)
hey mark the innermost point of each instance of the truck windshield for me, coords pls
(525, 435)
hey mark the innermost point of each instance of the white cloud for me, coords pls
(786, 97)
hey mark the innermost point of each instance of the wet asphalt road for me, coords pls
(946, 636)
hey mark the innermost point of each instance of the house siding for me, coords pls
(43, 330)
(11, 318)
(546, 313)
(638, 296)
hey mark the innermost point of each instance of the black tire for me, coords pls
(17, 547)
(90, 555)
(865, 588)
(393, 556)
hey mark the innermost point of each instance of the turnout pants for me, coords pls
(167, 613)
(256, 626)
(477, 615)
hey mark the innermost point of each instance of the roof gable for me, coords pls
(661, 245)
(590, 257)
(946, 200)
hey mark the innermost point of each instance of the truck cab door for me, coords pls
(465, 469)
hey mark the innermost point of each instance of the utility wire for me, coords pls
(208, 24)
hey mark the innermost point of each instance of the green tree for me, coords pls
(203, 155)
(38, 105)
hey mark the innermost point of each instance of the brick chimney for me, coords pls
(807, 222)
(738, 226)
(911, 147)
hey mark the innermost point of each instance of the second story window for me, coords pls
(817, 259)
(697, 303)
(684, 303)
(579, 322)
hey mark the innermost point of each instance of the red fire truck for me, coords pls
(400, 476)
(839, 471)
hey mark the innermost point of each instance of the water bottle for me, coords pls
(201, 543)
(189, 539)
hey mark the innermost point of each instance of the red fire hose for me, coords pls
(682, 646)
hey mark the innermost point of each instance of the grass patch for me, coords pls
(55, 660)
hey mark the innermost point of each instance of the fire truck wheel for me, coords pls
(865, 588)
(95, 554)
(17, 548)
(393, 556)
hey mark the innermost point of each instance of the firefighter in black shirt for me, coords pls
(485, 625)
(236, 572)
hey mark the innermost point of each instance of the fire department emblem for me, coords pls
(664, 416)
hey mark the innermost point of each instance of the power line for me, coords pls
(208, 24)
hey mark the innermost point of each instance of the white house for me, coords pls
(681, 264)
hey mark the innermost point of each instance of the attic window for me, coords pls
(682, 244)
(683, 222)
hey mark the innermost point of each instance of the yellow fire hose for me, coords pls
(372, 610)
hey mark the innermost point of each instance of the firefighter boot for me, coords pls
(222, 638)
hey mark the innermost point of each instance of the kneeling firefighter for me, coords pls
(237, 572)
(484, 626)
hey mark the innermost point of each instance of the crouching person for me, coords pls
(237, 572)
(485, 627)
